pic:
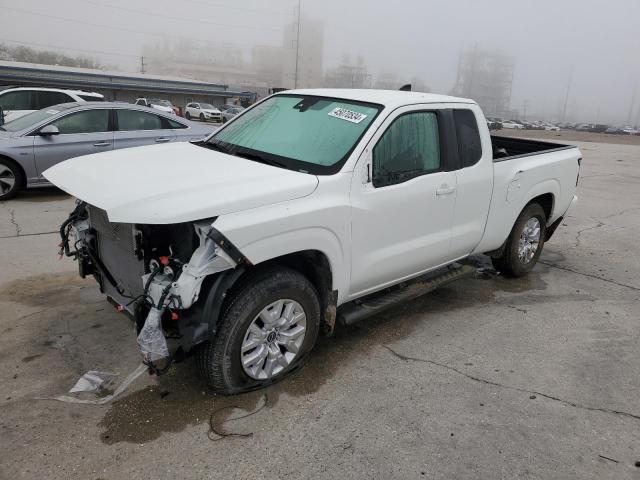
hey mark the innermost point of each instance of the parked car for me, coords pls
(494, 124)
(313, 207)
(513, 125)
(39, 140)
(203, 111)
(158, 104)
(551, 127)
(614, 131)
(231, 112)
(17, 102)
(629, 130)
(599, 128)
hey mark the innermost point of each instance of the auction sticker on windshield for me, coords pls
(348, 115)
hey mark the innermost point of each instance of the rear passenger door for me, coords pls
(135, 128)
(80, 133)
(474, 177)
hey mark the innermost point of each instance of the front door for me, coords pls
(80, 133)
(402, 202)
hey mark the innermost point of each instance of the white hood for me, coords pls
(175, 183)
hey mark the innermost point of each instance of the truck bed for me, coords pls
(508, 148)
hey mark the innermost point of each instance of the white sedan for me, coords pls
(205, 112)
(512, 125)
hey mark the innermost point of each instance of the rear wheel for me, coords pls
(266, 331)
(524, 245)
(11, 179)
(187, 116)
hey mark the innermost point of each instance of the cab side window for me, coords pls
(85, 121)
(409, 148)
(469, 145)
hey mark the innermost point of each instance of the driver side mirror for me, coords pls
(49, 130)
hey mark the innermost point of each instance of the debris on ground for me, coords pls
(101, 401)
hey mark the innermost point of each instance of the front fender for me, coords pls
(310, 238)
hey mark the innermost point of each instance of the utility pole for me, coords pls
(142, 65)
(524, 110)
(566, 97)
(295, 82)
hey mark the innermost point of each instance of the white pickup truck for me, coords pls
(311, 208)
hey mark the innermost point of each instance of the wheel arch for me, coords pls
(315, 265)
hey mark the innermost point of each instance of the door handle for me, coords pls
(162, 140)
(102, 144)
(445, 190)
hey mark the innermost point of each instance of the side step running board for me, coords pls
(370, 305)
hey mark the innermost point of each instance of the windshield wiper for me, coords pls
(218, 146)
(259, 158)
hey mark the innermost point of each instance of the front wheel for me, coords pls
(266, 331)
(524, 245)
(202, 117)
(11, 179)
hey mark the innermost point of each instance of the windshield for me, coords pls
(207, 106)
(30, 119)
(299, 132)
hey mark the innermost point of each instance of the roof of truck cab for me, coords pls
(388, 98)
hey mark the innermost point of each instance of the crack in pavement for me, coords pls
(581, 231)
(13, 222)
(511, 387)
(590, 275)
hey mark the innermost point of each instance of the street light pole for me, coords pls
(295, 82)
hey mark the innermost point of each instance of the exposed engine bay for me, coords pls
(152, 272)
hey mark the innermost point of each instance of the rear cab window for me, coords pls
(468, 135)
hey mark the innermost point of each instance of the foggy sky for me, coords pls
(598, 40)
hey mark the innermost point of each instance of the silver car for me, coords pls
(231, 112)
(39, 140)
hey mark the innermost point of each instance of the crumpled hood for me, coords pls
(175, 183)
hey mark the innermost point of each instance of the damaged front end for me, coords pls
(155, 273)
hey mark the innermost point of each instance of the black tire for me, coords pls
(509, 263)
(10, 171)
(219, 362)
(202, 119)
(187, 116)
(224, 120)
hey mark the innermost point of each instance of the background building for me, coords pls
(118, 85)
(486, 77)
